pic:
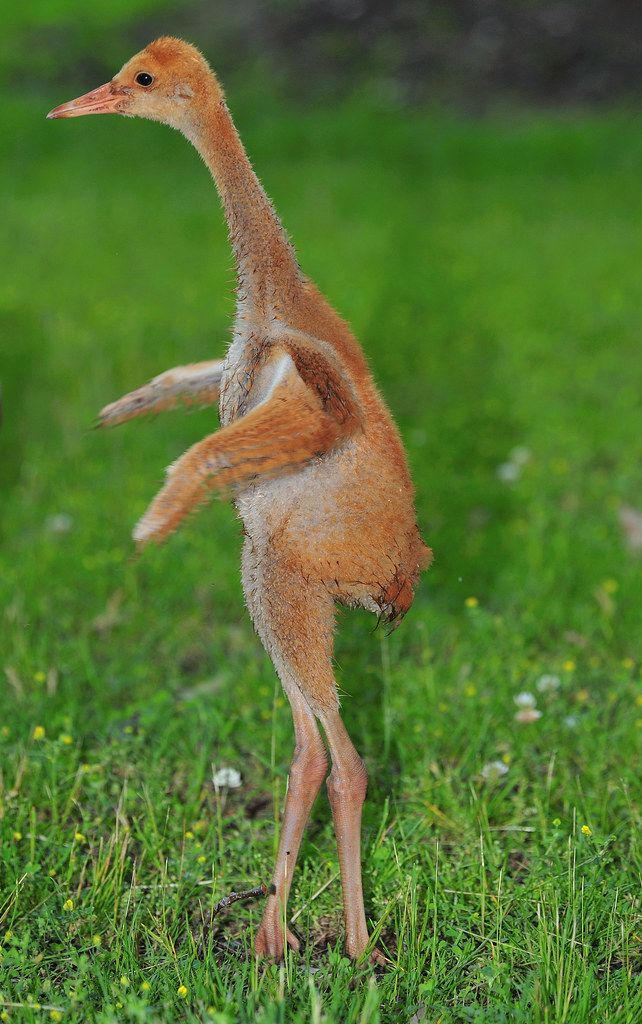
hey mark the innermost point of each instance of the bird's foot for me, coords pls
(270, 941)
(357, 951)
(378, 958)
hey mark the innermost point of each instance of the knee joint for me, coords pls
(309, 765)
(348, 783)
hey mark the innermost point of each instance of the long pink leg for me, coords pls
(307, 771)
(347, 785)
(294, 621)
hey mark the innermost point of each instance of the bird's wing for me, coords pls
(194, 384)
(288, 429)
(318, 366)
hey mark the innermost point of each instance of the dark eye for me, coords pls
(144, 78)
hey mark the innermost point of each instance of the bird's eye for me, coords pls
(144, 78)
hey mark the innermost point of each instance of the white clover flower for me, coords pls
(570, 721)
(60, 523)
(525, 700)
(520, 455)
(493, 770)
(226, 778)
(528, 715)
(548, 683)
(508, 472)
(631, 525)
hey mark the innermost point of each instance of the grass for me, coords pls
(492, 272)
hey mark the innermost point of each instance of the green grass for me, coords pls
(493, 272)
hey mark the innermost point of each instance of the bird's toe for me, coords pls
(378, 958)
(270, 941)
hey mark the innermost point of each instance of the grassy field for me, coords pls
(493, 271)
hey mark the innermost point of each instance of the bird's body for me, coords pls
(308, 450)
(344, 520)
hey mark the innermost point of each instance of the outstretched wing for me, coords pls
(194, 384)
(287, 430)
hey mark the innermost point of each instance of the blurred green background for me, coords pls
(463, 181)
(472, 53)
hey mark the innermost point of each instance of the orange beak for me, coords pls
(107, 99)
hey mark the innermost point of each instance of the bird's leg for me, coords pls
(295, 623)
(347, 783)
(194, 384)
(307, 771)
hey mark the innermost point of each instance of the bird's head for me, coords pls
(168, 81)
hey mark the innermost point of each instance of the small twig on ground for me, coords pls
(246, 894)
(227, 901)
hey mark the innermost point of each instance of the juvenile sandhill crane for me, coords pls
(309, 451)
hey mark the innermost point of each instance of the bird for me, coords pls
(307, 451)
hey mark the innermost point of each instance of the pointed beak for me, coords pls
(107, 99)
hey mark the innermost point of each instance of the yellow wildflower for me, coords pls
(39, 676)
(124, 981)
(79, 837)
(55, 1015)
(4, 1015)
(68, 906)
(472, 602)
(201, 859)
(38, 732)
(569, 665)
(66, 739)
(181, 991)
(638, 700)
(470, 690)
(586, 831)
(145, 987)
(17, 836)
(610, 586)
(97, 940)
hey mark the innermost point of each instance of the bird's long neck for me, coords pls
(266, 265)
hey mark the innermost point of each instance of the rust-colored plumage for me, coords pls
(308, 451)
